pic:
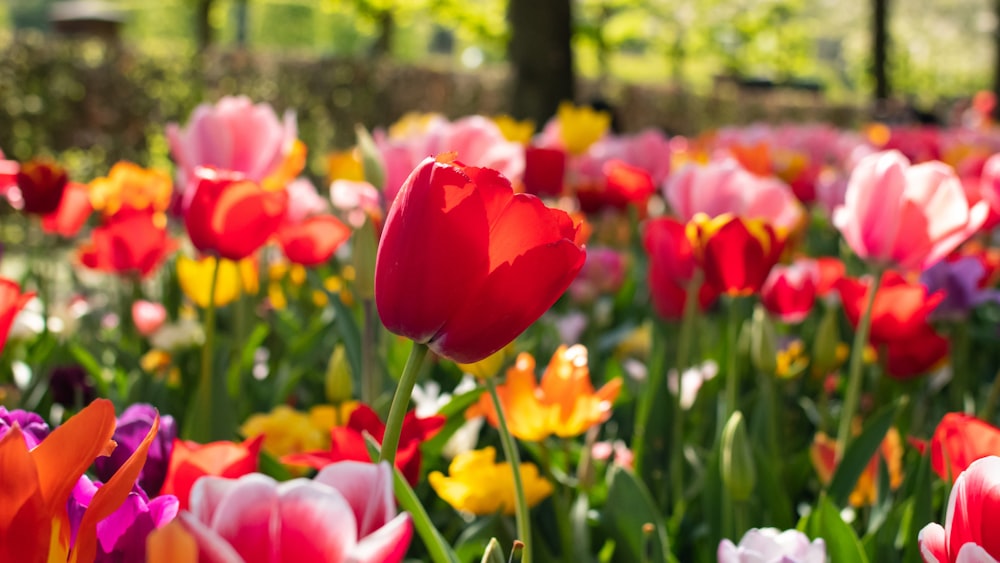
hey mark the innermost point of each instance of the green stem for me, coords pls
(959, 366)
(205, 403)
(688, 321)
(989, 408)
(400, 401)
(647, 398)
(732, 366)
(521, 513)
(856, 373)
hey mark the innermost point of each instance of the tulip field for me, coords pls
(480, 339)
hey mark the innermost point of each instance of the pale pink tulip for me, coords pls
(648, 150)
(904, 216)
(234, 134)
(357, 200)
(346, 513)
(770, 545)
(722, 187)
(304, 201)
(148, 317)
(969, 534)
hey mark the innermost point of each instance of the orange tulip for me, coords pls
(36, 484)
(960, 439)
(565, 404)
(129, 185)
(190, 461)
(824, 456)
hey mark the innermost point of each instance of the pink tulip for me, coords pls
(789, 291)
(722, 187)
(234, 134)
(969, 534)
(905, 216)
(8, 174)
(304, 201)
(648, 150)
(148, 317)
(346, 513)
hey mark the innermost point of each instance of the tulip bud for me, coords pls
(762, 347)
(339, 384)
(363, 252)
(371, 158)
(824, 353)
(739, 474)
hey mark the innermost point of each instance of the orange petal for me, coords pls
(70, 449)
(171, 544)
(24, 524)
(108, 498)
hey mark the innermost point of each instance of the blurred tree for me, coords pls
(202, 24)
(541, 56)
(880, 48)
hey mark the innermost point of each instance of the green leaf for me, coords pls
(842, 544)
(629, 507)
(922, 512)
(859, 453)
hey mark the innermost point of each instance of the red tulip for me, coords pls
(231, 216)
(42, 183)
(11, 301)
(544, 170)
(72, 214)
(348, 443)
(129, 242)
(969, 534)
(737, 254)
(959, 440)
(190, 461)
(624, 184)
(916, 355)
(672, 264)
(900, 310)
(465, 264)
(314, 240)
(830, 271)
(790, 291)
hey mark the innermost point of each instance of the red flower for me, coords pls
(348, 443)
(915, 355)
(230, 216)
(790, 291)
(544, 170)
(737, 254)
(960, 439)
(72, 214)
(830, 271)
(900, 310)
(969, 534)
(624, 184)
(42, 183)
(465, 264)
(672, 264)
(314, 240)
(191, 461)
(11, 301)
(128, 242)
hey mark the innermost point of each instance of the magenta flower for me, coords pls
(121, 536)
(33, 428)
(133, 425)
(906, 216)
(347, 513)
(234, 134)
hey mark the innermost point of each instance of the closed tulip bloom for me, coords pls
(959, 440)
(790, 291)
(736, 254)
(969, 533)
(42, 184)
(909, 217)
(313, 241)
(231, 216)
(465, 264)
(672, 265)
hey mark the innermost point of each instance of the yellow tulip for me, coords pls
(514, 130)
(478, 485)
(581, 126)
(196, 276)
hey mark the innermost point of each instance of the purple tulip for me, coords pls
(122, 535)
(32, 426)
(71, 386)
(959, 280)
(133, 424)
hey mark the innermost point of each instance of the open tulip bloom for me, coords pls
(778, 344)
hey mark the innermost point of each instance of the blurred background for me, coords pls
(93, 82)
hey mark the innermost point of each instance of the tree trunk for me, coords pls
(386, 30)
(541, 57)
(880, 48)
(202, 25)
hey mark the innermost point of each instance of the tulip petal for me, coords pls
(25, 523)
(388, 544)
(972, 553)
(366, 487)
(247, 516)
(316, 523)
